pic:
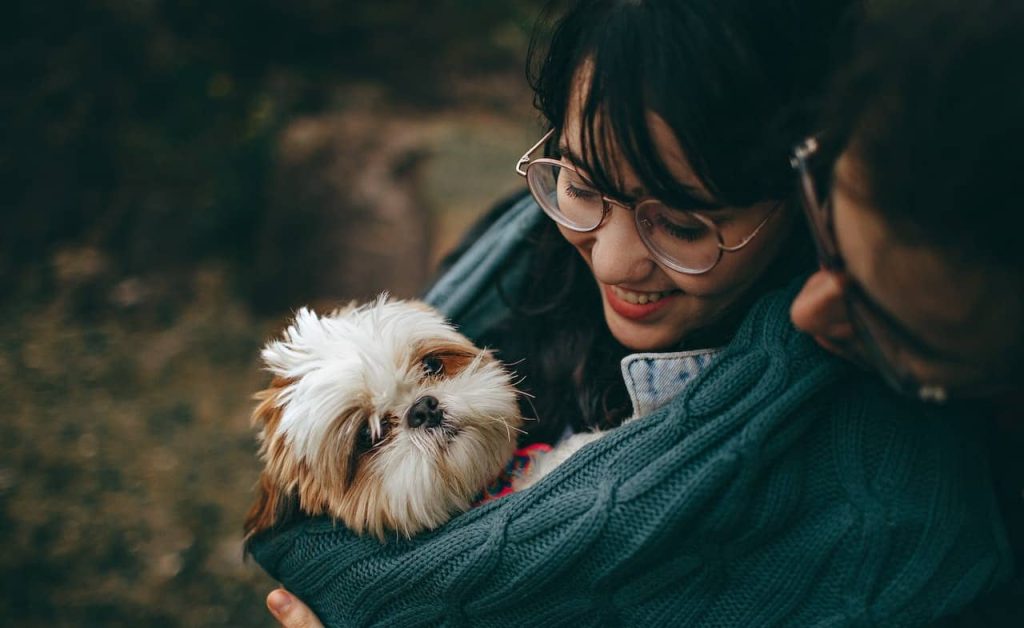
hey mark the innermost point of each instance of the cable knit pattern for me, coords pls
(778, 488)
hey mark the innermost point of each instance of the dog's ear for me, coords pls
(273, 507)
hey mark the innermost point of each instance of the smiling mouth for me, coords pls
(636, 306)
(640, 298)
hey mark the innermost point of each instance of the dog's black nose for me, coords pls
(425, 410)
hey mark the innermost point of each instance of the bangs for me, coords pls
(615, 125)
(611, 67)
(734, 82)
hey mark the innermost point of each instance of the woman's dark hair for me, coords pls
(931, 109)
(738, 82)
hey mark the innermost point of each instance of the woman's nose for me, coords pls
(618, 255)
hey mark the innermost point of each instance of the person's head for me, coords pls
(922, 201)
(694, 103)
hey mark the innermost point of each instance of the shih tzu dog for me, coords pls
(381, 416)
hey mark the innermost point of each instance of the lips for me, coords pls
(635, 305)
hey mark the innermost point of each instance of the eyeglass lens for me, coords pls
(682, 239)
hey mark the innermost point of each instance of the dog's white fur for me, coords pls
(363, 369)
(353, 377)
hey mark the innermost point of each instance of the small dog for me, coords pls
(382, 416)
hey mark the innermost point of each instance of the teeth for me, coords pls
(638, 298)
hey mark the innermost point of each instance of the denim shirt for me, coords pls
(653, 379)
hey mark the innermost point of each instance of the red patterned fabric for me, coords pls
(518, 466)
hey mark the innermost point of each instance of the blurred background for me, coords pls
(177, 176)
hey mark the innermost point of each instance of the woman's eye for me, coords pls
(689, 233)
(574, 186)
(575, 192)
(433, 365)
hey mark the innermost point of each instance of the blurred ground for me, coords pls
(179, 177)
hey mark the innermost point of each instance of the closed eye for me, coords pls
(689, 233)
(575, 192)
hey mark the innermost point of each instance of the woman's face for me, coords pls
(647, 306)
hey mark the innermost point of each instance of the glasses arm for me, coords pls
(753, 234)
(525, 159)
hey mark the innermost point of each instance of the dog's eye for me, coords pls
(433, 365)
(365, 440)
(365, 437)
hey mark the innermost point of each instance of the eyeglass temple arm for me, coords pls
(828, 259)
(804, 150)
(525, 159)
(753, 234)
(798, 161)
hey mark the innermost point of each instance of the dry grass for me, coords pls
(126, 462)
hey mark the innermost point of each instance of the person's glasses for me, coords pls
(886, 347)
(682, 240)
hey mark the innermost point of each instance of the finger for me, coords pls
(290, 612)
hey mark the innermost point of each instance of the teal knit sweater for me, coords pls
(778, 488)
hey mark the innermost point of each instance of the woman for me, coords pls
(766, 482)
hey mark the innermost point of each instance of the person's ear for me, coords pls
(820, 310)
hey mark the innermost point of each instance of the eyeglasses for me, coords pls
(886, 346)
(683, 240)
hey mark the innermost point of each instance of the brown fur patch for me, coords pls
(343, 479)
(273, 502)
(272, 507)
(454, 356)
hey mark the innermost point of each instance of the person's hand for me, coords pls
(290, 612)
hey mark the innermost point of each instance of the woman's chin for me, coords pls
(644, 336)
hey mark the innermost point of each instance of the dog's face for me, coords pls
(382, 416)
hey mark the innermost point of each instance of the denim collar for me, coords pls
(653, 379)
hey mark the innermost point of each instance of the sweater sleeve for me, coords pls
(469, 292)
(779, 488)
